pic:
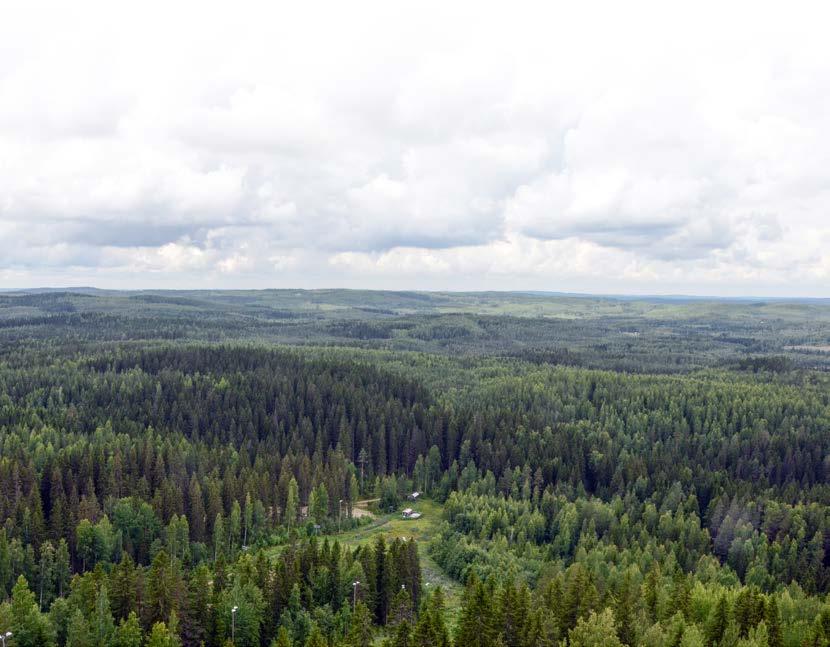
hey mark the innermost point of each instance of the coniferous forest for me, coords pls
(231, 468)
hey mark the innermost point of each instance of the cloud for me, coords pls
(593, 147)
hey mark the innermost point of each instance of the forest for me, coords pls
(231, 469)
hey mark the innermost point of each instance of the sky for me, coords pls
(606, 147)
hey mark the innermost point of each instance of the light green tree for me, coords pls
(30, 627)
(161, 636)
(128, 633)
(79, 634)
(597, 630)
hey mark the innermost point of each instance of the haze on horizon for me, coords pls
(601, 148)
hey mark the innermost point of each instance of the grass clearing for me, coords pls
(394, 526)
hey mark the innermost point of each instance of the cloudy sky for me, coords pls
(600, 147)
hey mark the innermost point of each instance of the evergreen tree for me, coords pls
(163, 588)
(218, 536)
(681, 594)
(123, 585)
(360, 631)
(476, 626)
(195, 620)
(382, 580)
(319, 503)
(718, 622)
(624, 613)
(30, 627)
(162, 636)
(651, 593)
(245, 623)
(431, 630)
(775, 637)
(128, 633)
(283, 639)
(316, 638)
(78, 633)
(402, 636)
(292, 503)
(597, 630)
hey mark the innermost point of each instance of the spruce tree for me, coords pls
(718, 622)
(476, 625)
(30, 627)
(624, 613)
(775, 637)
(128, 633)
(360, 631)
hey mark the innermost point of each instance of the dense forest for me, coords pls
(230, 469)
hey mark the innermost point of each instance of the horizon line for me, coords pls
(78, 289)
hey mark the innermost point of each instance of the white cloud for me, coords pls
(587, 146)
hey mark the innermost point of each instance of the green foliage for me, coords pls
(30, 627)
(597, 630)
(243, 623)
(128, 633)
(651, 505)
(360, 631)
(162, 636)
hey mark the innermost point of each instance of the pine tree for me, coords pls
(651, 593)
(692, 637)
(579, 597)
(128, 633)
(161, 636)
(316, 638)
(624, 613)
(381, 580)
(283, 639)
(681, 594)
(360, 631)
(78, 633)
(318, 507)
(718, 622)
(292, 503)
(431, 630)
(218, 536)
(234, 528)
(196, 613)
(248, 519)
(400, 609)
(775, 637)
(196, 510)
(354, 494)
(46, 575)
(163, 588)
(476, 626)
(597, 630)
(402, 636)
(123, 588)
(513, 614)
(30, 627)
